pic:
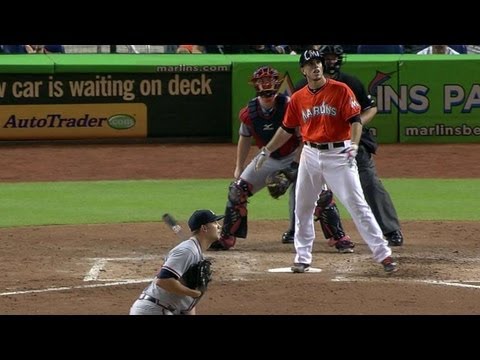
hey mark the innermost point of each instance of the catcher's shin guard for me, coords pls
(235, 221)
(224, 243)
(326, 212)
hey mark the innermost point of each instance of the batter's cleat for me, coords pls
(343, 245)
(300, 268)
(287, 237)
(389, 266)
(394, 238)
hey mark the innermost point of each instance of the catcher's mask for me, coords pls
(266, 81)
(332, 63)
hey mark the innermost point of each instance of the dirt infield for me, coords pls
(101, 269)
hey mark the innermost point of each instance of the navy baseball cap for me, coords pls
(309, 55)
(202, 217)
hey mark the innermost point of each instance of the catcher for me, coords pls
(260, 120)
(184, 277)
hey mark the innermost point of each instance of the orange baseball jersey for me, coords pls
(323, 116)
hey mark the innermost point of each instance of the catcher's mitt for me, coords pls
(198, 275)
(279, 181)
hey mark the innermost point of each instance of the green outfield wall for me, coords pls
(421, 99)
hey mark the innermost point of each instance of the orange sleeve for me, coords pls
(291, 120)
(350, 106)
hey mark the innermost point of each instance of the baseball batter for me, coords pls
(260, 119)
(167, 294)
(327, 113)
(375, 193)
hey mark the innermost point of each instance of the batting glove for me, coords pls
(351, 152)
(261, 157)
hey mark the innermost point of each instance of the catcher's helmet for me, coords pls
(266, 81)
(333, 67)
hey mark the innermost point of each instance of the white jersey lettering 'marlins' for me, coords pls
(323, 109)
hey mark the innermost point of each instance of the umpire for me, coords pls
(171, 292)
(375, 193)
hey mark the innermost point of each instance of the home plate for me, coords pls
(289, 270)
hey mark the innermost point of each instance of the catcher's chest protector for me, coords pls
(265, 126)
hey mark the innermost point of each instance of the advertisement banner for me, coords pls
(372, 71)
(439, 99)
(79, 121)
(420, 99)
(378, 73)
(192, 104)
(178, 101)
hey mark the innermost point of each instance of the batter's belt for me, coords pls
(326, 146)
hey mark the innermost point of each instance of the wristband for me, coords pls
(265, 151)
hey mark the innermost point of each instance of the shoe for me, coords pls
(300, 267)
(217, 246)
(343, 245)
(394, 238)
(287, 237)
(331, 242)
(224, 243)
(389, 266)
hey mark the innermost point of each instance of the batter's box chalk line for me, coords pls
(289, 270)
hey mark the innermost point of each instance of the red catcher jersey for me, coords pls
(323, 116)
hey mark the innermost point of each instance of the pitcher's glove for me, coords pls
(279, 181)
(198, 275)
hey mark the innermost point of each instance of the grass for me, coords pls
(90, 202)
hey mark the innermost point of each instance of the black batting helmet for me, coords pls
(309, 55)
(333, 68)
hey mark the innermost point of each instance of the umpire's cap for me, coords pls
(202, 217)
(309, 55)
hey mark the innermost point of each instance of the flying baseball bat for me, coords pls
(174, 226)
